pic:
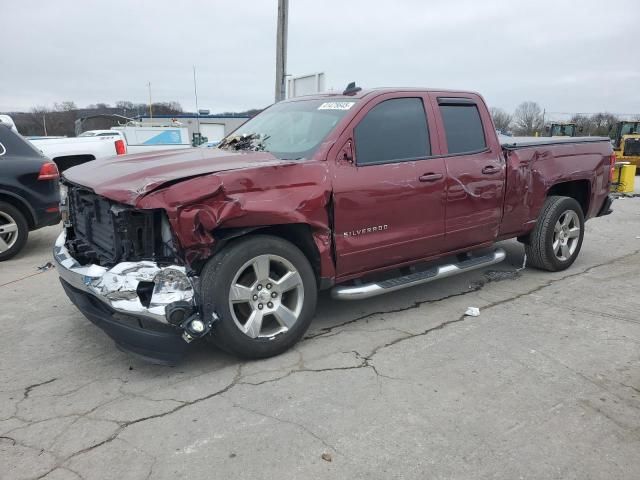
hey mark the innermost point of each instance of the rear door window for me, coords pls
(393, 131)
(15, 145)
(463, 127)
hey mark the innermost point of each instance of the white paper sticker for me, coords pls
(336, 106)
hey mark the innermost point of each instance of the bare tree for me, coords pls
(603, 123)
(501, 119)
(66, 106)
(527, 119)
(584, 124)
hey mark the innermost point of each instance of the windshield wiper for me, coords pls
(247, 141)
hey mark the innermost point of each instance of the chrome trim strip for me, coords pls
(117, 286)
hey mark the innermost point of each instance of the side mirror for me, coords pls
(346, 152)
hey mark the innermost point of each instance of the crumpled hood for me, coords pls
(127, 178)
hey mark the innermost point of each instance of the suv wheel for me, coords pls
(264, 291)
(556, 240)
(13, 231)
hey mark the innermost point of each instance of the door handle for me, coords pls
(490, 169)
(430, 177)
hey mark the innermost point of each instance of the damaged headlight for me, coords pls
(170, 285)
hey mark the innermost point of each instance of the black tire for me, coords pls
(216, 281)
(540, 246)
(10, 214)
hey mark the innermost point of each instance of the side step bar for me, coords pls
(368, 290)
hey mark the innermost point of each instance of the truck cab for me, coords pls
(563, 130)
(626, 142)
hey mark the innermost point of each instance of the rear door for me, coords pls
(475, 169)
(389, 196)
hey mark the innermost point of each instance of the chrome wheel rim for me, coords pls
(8, 232)
(566, 235)
(266, 296)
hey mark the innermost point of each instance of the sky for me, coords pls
(568, 56)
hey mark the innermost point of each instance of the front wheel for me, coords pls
(264, 291)
(556, 240)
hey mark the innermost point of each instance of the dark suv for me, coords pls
(29, 192)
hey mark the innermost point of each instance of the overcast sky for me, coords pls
(568, 56)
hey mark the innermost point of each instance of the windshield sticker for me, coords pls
(336, 106)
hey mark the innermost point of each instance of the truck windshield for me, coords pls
(629, 128)
(289, 130)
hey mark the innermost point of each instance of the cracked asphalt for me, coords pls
(544, 384)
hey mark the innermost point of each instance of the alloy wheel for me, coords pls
(8, 232)
(266, 296)
(566, 235)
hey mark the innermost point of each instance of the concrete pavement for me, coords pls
(544, 384)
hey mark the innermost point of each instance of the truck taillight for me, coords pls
(612, 160)
(121, 148)
(49, 171)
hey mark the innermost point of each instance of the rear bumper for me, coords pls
(46, 219)
(606, 207)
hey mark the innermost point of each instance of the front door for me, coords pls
(388, 191)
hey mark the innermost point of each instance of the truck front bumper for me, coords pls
(129, 302)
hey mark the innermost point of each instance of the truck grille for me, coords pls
(104, 232)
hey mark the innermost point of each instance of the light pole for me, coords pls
(281, 49)
(195, 93)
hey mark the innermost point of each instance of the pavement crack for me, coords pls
(28, 390)
(463, 317)
(289, 422)
(12, 440)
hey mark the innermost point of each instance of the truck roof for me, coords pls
(377, 91)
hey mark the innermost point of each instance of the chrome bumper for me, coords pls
(118, 286)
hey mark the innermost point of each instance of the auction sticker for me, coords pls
(336, 106)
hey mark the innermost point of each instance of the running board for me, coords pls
(368, 290)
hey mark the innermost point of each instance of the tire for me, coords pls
(272, 302)
(14, 231)
(555, 242)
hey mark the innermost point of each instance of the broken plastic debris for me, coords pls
(472, 312)
(45, 267)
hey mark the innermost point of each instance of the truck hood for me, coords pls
(126, 179)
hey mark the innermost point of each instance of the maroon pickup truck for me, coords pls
(363, 193)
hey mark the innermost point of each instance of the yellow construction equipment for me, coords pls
(624, 178)
(562, 130)
(626, 142)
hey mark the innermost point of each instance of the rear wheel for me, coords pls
(13, 231)
(556, 240)
(264, 291)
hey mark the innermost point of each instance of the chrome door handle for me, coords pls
(490, 169)
(430, 177)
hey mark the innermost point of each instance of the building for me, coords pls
(213, 127)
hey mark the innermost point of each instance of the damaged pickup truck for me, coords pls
(363, 193)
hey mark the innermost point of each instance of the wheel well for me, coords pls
(72, 160)
(576, 189)
(297, 233)
(21, 207)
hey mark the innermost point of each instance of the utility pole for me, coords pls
(44, 123)
(281, 49)
(150, 108)
(195, 93)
